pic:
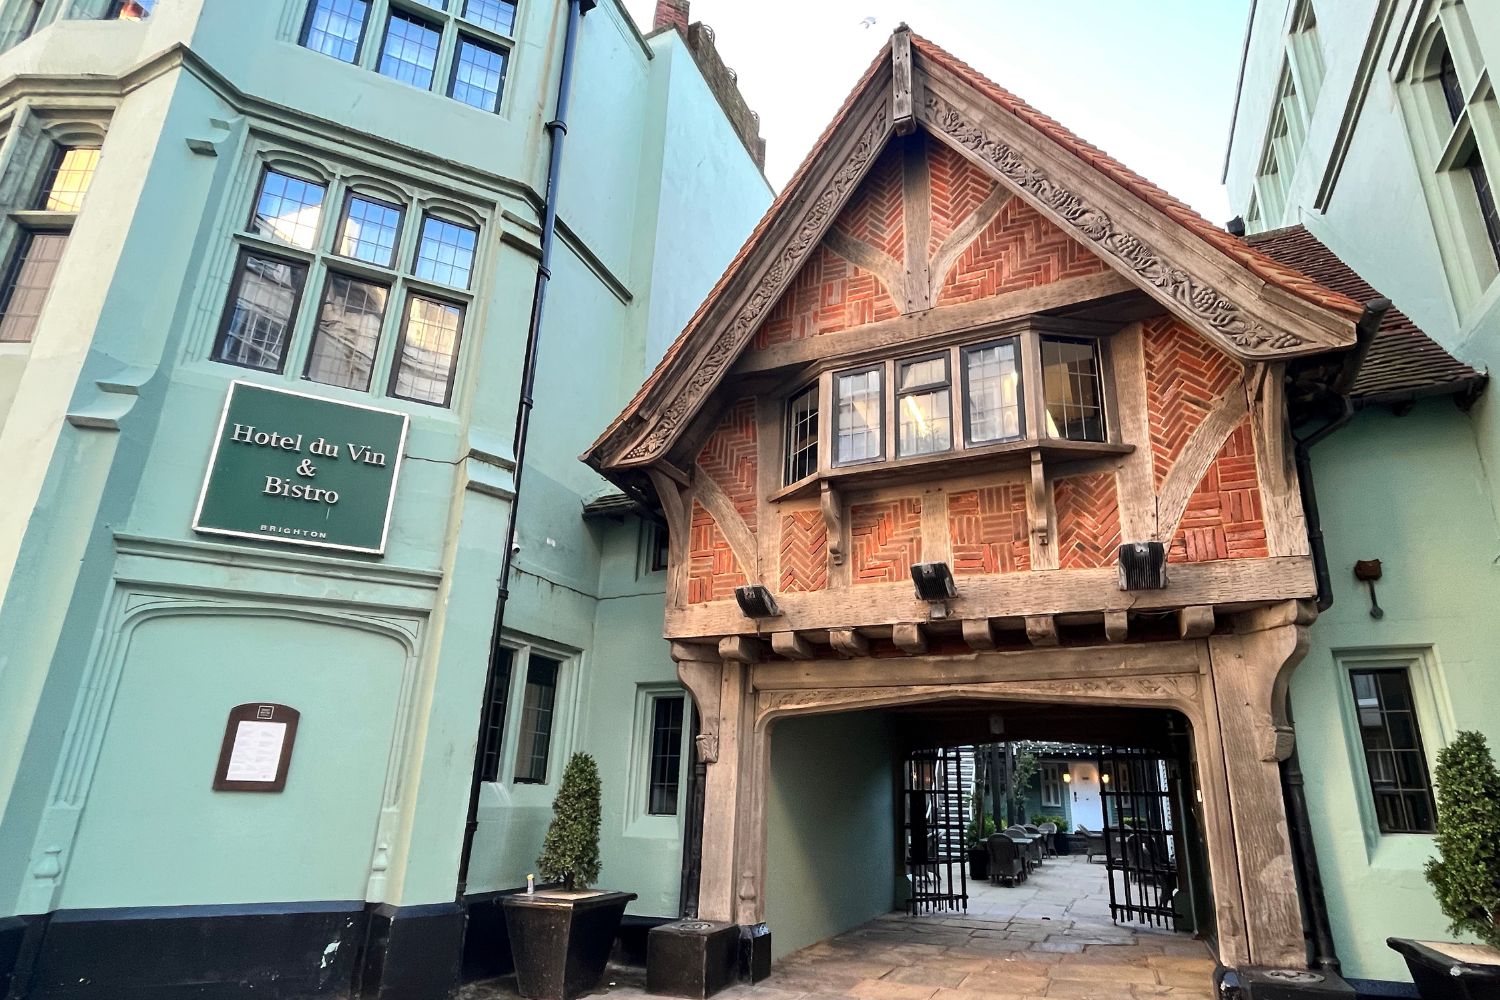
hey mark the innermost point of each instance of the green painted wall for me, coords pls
(1408, 491)
(830, 827)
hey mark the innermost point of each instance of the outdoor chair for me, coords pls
(1049, 837)
(1006, 865)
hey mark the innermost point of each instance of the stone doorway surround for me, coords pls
(1229, 683)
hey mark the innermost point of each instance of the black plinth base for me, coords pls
(1293, 984)
(692, 958)
(755, 952)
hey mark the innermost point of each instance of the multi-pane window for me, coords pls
(992, 383)
(1072, 389)
(924, 405)
(666, 755)
(1043, 385)
(457, 47)
(336, 27)
(537, 708)
(1395, 761)
(802, 435)
(496, 701)
(1453, 116)
(383, 326)
(39, 244)
(859, 401)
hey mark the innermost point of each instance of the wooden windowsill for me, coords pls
(1008, 455)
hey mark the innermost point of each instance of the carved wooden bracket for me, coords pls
(833, 519)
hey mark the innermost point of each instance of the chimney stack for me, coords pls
(671, 14)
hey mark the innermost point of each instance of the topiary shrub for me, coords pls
(1466, 875)
(570, 854)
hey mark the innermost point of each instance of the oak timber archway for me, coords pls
(1228, 684)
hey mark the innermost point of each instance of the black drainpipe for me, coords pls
(1304, 851)
(557, 130)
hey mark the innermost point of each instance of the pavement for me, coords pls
(1051, 937)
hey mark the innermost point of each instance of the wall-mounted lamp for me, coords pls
(934, 582)
(1367, 571)
(755, 601)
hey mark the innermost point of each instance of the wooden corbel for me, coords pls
(833, 519)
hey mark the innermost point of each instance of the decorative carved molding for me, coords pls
(726, 346)
(1100, 231)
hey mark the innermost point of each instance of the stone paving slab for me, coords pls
(1050, 938)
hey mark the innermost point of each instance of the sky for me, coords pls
(1151, 82)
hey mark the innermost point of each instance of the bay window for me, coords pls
(1042, 385)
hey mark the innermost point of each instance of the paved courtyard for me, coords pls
(1049, 937)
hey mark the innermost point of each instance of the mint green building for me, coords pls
(1372, 127)
(345, 201)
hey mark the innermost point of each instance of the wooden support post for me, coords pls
(740, 649)
(1196, 622)
(909, 638)
(979, 633)
(1041, 630)
(1116, 626)
(848, 642)
(791, 645)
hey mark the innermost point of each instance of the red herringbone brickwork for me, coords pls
(875, 214)
(1185, 378)
(885, 539)
(804, 551)
(1018, 249)
(958, 187)
(729, 456)
(1224, 517)
(829, 294)
(713, 571)
(1088, 521)
(988, 530)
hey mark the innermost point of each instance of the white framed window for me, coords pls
(1453, 121)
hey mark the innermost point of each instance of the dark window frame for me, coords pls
(245, 251)
(837, 459)
(462, 37)
(790, 453)
(458, 341)
(667, 775)
(1018, 356)
(1401, 790)
(945, 356)
(351, 193)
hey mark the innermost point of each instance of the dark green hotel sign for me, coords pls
(293, 468)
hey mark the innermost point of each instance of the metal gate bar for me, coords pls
(933, 798)
(1140, 836)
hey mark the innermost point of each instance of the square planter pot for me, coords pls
(1445, 970)
(561, 940)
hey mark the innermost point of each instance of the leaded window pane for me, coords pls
(446, 252)
(536, 719)
(802, 435)
(348, 332)
(924, 405)
(262, 307)
(477, 74)
(992, 373)
(1072, 390)
(429, 349)
(370, 231)
(859, 405)
(68, 180)
(31, 274)
(289, 209)
(335, 28)
(666, 755)
(410, 50)
(497, 15)
(1395, 762)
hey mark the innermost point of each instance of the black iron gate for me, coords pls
(1142, 835)
(933, 812)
